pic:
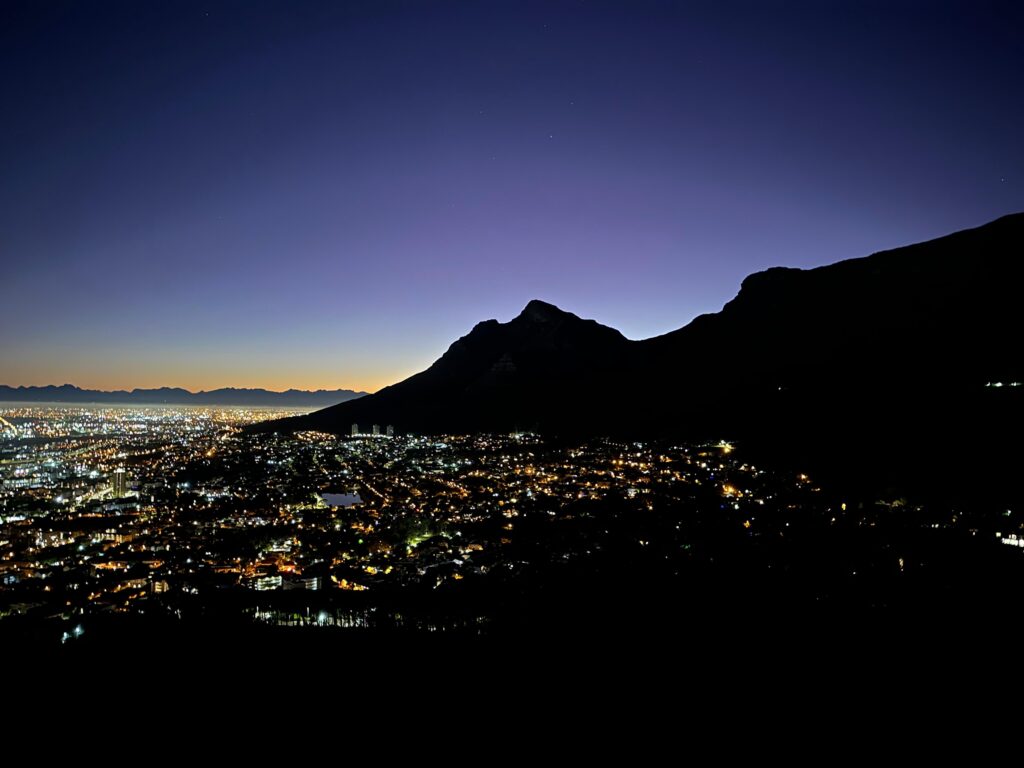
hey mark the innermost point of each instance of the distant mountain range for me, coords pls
(874, 366)
(175, 396)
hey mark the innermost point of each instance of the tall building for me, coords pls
(355, 430)
(376, 429)
(119, 483)
(390, 430)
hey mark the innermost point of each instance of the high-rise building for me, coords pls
(355, 430)
(119, 483)
(376, 429)
(390, 430)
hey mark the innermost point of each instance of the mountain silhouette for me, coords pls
(67, 393)
(499, 376)
(859, 360)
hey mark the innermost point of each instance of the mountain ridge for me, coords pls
(69, 393)
(911, 289)
(898, 343)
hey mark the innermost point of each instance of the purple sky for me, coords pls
(326, 195)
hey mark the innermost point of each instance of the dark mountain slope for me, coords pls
(869, 371)
(941, 315)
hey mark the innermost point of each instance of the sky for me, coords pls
(326, 195)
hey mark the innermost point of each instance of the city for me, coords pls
(616, 334)
(171, 515)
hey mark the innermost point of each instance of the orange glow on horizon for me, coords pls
(116, 373)
(202, 384)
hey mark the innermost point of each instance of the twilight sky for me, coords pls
(328, 194)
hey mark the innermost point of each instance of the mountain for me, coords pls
(499, 376)
(67, 393)
(882, 362)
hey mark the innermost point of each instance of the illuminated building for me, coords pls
(119, 483)
(267, 583)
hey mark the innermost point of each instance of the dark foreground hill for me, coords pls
(880, 370)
